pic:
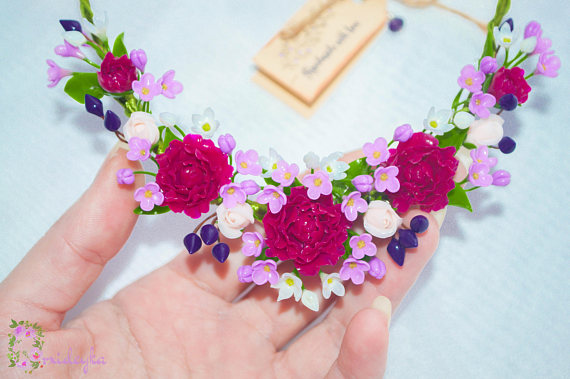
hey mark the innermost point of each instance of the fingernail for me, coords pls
(439, 216)
(383, 304)
(119, 145)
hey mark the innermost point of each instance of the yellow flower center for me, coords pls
(350, 203)
(318, 182)
(145, 91)
(287, 176)
(329, 168)
(479, 160)
(352, 265)
(384, 176)
(243, 164)
(257, 243)
(477, 102)
(475, 176)
(329, 280)
(231, 191)
(266, 268)
(376, 154)
(274, 166)
(275, 195)
(164, 87)
(469, 81)
(507, 40)
(361, 244)
(206, 127)
(142, 152)
(433, 124)
(148, 193)
(543, 67)
(289, 281)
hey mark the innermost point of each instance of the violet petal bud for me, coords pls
(377, 268)
(244, 274)
(403, 133)
(250, 187)
(226, 143)
(363, 183)
(501, 178)
(125, 176)
(488, 65)
(138, 57)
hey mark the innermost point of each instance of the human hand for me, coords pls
(180, 320)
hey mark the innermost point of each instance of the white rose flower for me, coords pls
(463, 119)
(289, 285)
(142, 125)
(232, 221)
(332, 284)
(380, 220)
(487, 131)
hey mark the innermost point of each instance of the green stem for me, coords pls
(506, 55)
(507, 63)
(391, 142)
(144, 172)
(231, 160)
(97, 49)
(154, 160)
(521, 60)
(181, 132)
(91, 63)
(529, 76)
(471, 189)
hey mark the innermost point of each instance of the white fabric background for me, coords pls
(494, 300)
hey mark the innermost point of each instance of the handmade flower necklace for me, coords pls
(307, 219)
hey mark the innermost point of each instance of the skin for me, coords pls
(180, 320)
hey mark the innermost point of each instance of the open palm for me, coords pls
(181, 320)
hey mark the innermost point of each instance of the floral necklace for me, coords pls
(309, 219)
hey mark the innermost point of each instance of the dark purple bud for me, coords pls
(510, 22)
(70, 25)
(396, 24)
(507, 145)
(192, 242)
(508, 102)
(419, 224)
(93, 105)
(408, 238)
(221, 252)
(209, 234)
(397, 251)
(112, 121)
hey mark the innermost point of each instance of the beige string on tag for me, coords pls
(426, 3)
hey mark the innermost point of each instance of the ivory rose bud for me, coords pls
(142, 125)
(232, 221)
(380, 220)
(488, 131)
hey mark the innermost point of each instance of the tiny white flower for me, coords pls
(205, 124)
(332, 284)
(269, 163)
(310, 300)
(311, 160)
(333, 167)
(288, 285)
(504, 36)
(438, 122)
(528, 45)
(99, 25)
(168, 119)
(463, 119)
(74, 37)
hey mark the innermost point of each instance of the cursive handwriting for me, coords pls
(77, 361)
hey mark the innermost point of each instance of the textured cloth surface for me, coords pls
(494, 300)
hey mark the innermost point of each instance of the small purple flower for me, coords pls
(532, 29)
(146, 88)
(362, 245)
(471, 79)
(318, 184)
(501, 178)
(481, 155)
(139, 149)
(232, 194)
(548, 65)
(363, 183)
(68, 50)
(30, 333)
(274, 197)
(352, 205)
(252, 244)
(138, 57)
(246, 162)
(55, 73)
(244, 274)
(354, 270)
(19, 330)
(480, 102)
(488, 65)
(376, 152)
(125, 176)
(149, 196)
(403, 133)
(170, 87)
(385, 179)
(285, 173)
(542, 45)
(377, 268)
(227, 143)
(264, 271)
(250, 187)
(479, 175)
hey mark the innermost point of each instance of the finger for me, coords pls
(58, 270)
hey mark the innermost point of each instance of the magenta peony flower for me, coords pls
(425, 173)
(191, 173)
(117, 74)
(308, 232)
(510, 80)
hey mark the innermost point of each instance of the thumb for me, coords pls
(58, 270)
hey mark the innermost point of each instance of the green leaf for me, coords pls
(358, 167)
(168, 137)
(85, 8)
(502, 9)
(271, 182)
(155, 211)
(21, 323)
(454, 137)
(119, 48)
(469, 146)
(13, 324)
(458, 198)
(82, 83)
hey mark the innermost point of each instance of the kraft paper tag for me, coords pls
(314, 47)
